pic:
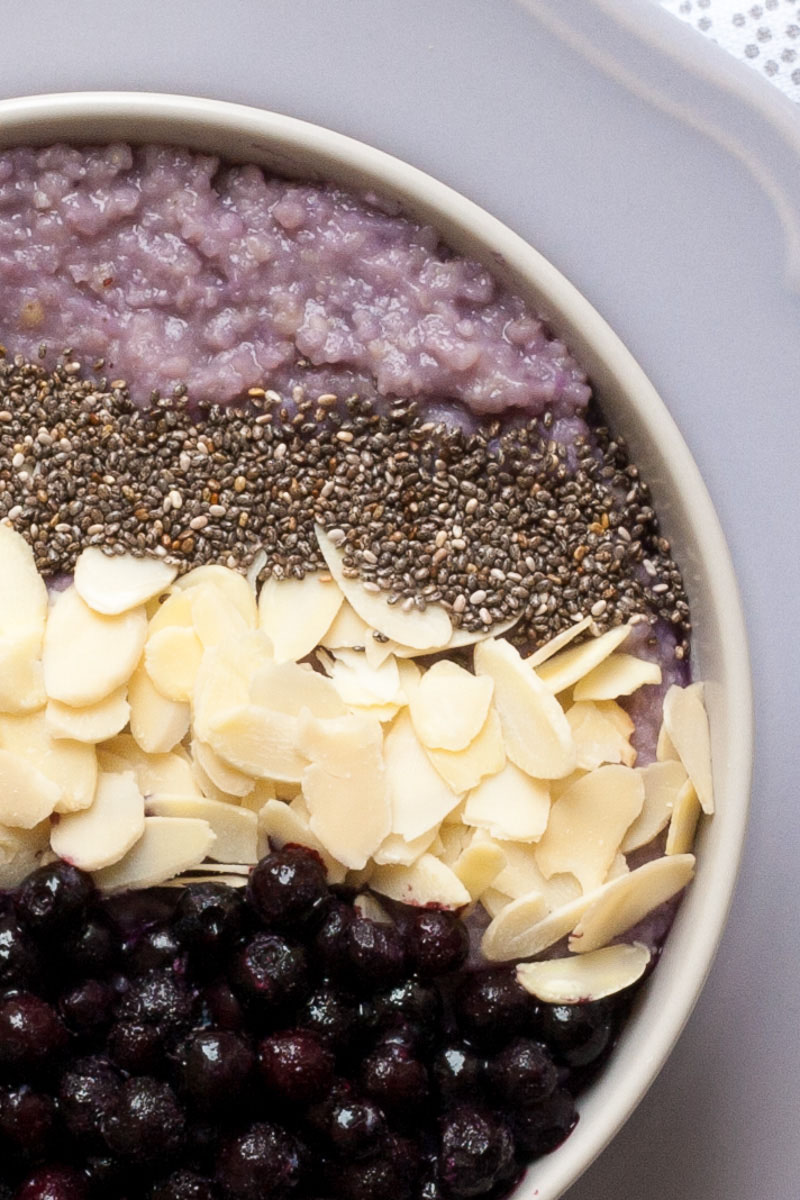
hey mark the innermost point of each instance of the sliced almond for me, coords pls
(397, 851)
(21, 851)
(157, 724)
(559, 642)
(235, 829)
(87, 656)
(172, 659)
(510, 805)
(622, 904)
(427, 881)
(449, 706)
(598, 738)
(564, 669)
(360, 684)
(494, 901)
(463, 770)
(478, 866)
(289, 687)
(27, 795)
(371, 909)
(258, 741)
(584, 977)
(347, 630)
(665, 751)
(168, 846)
(617, 675)
(230, 781)
(662, 784)
(420, 799)
(114, 583)
(154, 772)
(229, 880)
(215, 616)
(235, 586)
(350, 815)
(102, 834)
(336, 744)
(71, 765)
(296, 613)
(23, 594)
(95, 723)
(587, 824)
(524, 928)
(683, 823)
(686, 723)
(426, 630)
(535, 731)
(521, 875)
(280, 824)
(453, 841)
(21, 674)
(176, 609)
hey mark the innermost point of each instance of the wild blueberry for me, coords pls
(437, 942)
(332, 1016)
(522, 1073)
(159, 998)
(412, 1004)
(18, 959)
(491, 1006)
(157, 947)
(31, 1032)
(136, 1047)
(263, 1163)
(296, 1066)
(374, 1179)
(87, 1007)
(288, 888)
(185, 1185)
(87, 1093)
(541, 1127)
(220, 1007)
(211, 1067)
(375, 953)
(53, 899)
(54, 1183)
(330, 943)
(145, 1122)
(394, 1077)
(352, 1126)
(477, 1152)
(268, 973)
(576, 1033)
(207, 921)
(93, 948)
(457, 1071)
(27, 1120)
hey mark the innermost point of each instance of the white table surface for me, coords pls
(677, 242)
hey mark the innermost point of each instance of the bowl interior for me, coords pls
(293, 148)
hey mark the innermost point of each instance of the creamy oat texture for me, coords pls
(175, 270)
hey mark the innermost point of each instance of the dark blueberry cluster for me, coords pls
(271, 1044)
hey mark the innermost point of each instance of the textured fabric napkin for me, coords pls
(765, 35)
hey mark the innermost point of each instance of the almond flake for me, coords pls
(449, 706)
(362, 685)
(94, 723)
(337, 743)
(154, 772)
(279, 824)
(620, 905)
(172, 659)
(175, 610)
(27, 795)
(587, 824)
(21, 851)
(463, 770)
(347, 630)
(510, 805)
(157, 723)
(617, 675)
(226, 778)
(686, 723)
(168, 847)
(521, 875)
(564, 669)
(235, 829)
(618, 868)
(235, 586)
(584, 977)
(685, 815)
(662, 784)
(427, 881)
(420, 799)
(535, 731)
(665, 751)
(478, 866)
(494, 901)
(428, 630)
(350, 815)
(21, 674)
(454, 840)
(597, 735)
(87, 656)
(397, 851)
(71, 765)
(102, 834)
(558, 642)
(23, 594)
(257, 741)
(296, 613)
(289, 687)
(369, 908)
(114, 583)
(181, 881)
(215, 617)
(525, 928)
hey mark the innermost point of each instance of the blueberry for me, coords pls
(330, 943)
(185, 1185)
(54, 1183)
(27, 1120)
(332, 1016)
(394, 1077)
(412, 1004)
(207, 921)
(296, 1066)
(136, 1047)
(541, 1127)
(220, 1007)
(477, 1152)
(31, 1033)
(54, 899)
(157, 947)
(352, 1126)
(269, 973)
(375, 953)
(145, 1123)
(437, 942)
(211, 1067)
(159, 998)
(288, 888)
(87, 1007)
(86, 1095)
(457, 1071)
(263, 1163)
(378, 1178)
(578, 1034)
(491, 1006)
(93, 948)
(18, 961)
(523, 1073)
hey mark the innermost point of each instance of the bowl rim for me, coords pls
(296, 147)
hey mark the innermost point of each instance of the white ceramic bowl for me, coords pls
(294, 148)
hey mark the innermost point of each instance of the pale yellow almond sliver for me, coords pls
(683, 823)
(27, 795)
(176, 609)
(296, 613)
(289, 687)
(72, 765)
(350, 816)
(168, 846)
(521, 875)
(564, 669)
(102, 834)
(114, 583)
(510, 805)
(235, 829)
(224, 777)
(397, 851)
(94, 723)
(337, 743)
(617, 675)
(21, 673)
(215, 617)
(597, 734)
(662, 784)
(427, 881)
(585, 977)
(463, 770)
(361, 684)
(236, 588)
(87, 656)
(559, 642)
(279, 823)
(686, 723)
(347, 629)
(21, 851)
(619, 905)
(23, 594)
(478, 866)
(172, 659)
(419, 797)
(507, 932)
(154, 772)
(259, 742)
(449, 706)
(157, 723)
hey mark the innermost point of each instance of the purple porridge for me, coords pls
(206, 365)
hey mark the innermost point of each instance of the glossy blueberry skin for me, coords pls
(477, 1152)
(491, 1007)
(288, 888)
(540, 1128)
(296, 1066)
(145, 1123)
(263, 1163)
(376, 956)
(54, 1183)
(437, 942)
(185, 1185)
(28, 1120)
(53, 900)
(269, 974)
(579, 1034)
(522, 1074)
(87, 1007)
(19, 966)
(32, 1035)
(395, 1078)
(210, 1069)
(350, 1124)
(87, 1094)
(207, 921)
